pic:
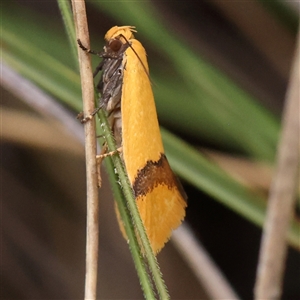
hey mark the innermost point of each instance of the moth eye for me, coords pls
(115, 45)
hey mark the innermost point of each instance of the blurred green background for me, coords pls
(219, 72)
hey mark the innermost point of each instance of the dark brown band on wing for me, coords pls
(154, 174)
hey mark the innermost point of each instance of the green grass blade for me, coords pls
(135, 221)
(66, 12)
(44, 69)
(134, 246)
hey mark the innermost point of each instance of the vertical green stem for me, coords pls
(149, 256)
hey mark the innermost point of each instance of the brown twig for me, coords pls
(90, 150)
(282, 196)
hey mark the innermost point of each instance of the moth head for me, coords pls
(115, 44)
(126, 31)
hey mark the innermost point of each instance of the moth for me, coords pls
(127, 97)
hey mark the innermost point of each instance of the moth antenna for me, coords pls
(129, 45)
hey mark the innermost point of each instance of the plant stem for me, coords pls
(87, 84)
(282, 196)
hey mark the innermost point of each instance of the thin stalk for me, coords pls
(87, 84)
(111, 164)
(148, 255)
(282, 197)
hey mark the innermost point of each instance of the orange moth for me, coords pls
(127, 96)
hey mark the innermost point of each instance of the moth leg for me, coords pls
(99, 159)
(83, 119)
(86, 49)
(98, 165)
(98, 69)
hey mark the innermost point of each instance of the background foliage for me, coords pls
(219, 75)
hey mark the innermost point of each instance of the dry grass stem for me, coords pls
(90, 150)
(282, 197)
